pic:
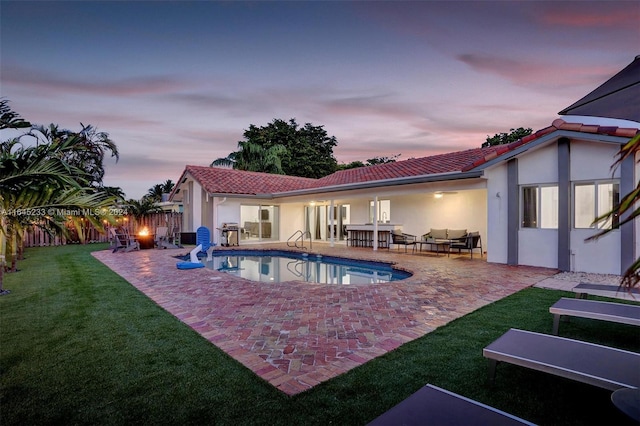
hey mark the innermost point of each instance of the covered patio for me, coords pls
(296, 335)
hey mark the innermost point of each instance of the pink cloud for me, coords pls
(53, 83)
(538, 73)
(609, 15)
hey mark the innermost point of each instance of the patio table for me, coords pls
(438, 243)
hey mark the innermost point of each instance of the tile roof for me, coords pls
(436, 164)
(558, 124)
(217, 180)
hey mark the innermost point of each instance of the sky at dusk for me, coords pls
(177, 83)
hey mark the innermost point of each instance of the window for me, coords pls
(384, 211)
(540, 207)
(592, 200)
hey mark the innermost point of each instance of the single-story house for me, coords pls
(533, 201)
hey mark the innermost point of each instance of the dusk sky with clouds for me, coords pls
(176, 83)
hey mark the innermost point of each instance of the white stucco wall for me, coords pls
(497, 198)
(291, 219)
(592, 161)
(601, 256)
(539, 247)
(196, 204)
(539, 166)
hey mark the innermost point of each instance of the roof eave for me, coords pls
(596, 137)
(236, 195)
(439, 177)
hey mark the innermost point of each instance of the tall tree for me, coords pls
(254, 157)
(504, 138)
(39, 184)
(156, 191)
(37, 187)
(301, 151)
(89, 148)
(370, 162)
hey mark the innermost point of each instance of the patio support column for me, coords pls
(513, 212)
(332, 224)
(375, 224)
(564, 204)
(628, 230)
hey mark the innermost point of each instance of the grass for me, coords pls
(79, 345)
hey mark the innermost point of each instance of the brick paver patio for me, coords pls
(296, 335)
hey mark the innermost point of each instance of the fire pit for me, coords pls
(145, 239)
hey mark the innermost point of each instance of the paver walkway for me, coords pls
(296, 335)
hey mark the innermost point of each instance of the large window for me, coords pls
(259, 222)
(540, 207)
(592, 200)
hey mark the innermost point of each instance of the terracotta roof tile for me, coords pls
(217, 180)
(228, 181)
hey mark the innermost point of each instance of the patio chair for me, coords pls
(606, 311)
(164, 240)
(121, 240)
(402, 239)
(470, 242)
(161, 236)
(432, 405)
(597, 365)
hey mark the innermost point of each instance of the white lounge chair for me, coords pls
(432, 405)
(605, 311)
(597, 365)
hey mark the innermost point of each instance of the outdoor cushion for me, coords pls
(454, 234)
(189, 265)
(440, 234)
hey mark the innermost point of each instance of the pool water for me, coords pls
(280, 266)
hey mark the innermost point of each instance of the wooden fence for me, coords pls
(37, 237)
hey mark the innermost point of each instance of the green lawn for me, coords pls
(79, 345)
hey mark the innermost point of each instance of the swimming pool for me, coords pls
(281, 265)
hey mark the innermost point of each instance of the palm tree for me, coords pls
(254, 157)
(35, 184)
(139, 208)
(627, 211)
(88, 148)
(155, 193)
(10, 119)
(39, 183)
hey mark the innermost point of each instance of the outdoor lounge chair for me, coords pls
(432, 405)
(401, 239)
(597, 365)
(203, 238)
(606, 311)
(121, 240)
(163, 239)
(470, 242)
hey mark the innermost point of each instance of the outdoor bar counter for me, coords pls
(361, 235)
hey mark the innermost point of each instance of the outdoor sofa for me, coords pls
(452, 239)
